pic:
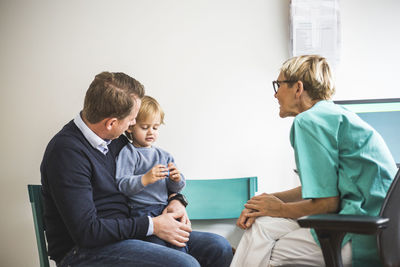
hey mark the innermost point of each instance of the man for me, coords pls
(87, 219)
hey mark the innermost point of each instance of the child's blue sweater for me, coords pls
(132, 163)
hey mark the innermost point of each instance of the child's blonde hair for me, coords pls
(149, 108)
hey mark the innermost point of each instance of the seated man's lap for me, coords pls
(205, 248)
(149, 210)
(154, 211)
(130, 252)
(156, 240)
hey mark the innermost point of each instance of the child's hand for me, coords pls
(156, 173)
(174, 174)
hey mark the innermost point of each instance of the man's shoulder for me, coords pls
(68, 136)
(67, 145)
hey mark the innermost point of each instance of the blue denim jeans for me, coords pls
(204, 249)
(154, 211)
(150, 210)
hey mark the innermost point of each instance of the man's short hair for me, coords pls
(110, 96)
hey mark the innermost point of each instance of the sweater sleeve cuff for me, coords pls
(142, 227)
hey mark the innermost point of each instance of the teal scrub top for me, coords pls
(338, 154)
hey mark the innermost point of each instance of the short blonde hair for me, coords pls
(314, 72)
(149, 108)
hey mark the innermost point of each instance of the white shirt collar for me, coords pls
(94, 140)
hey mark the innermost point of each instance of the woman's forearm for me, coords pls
(309, 206)
(271, 205)
(291, 195)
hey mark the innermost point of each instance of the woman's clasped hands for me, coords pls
(261, 205)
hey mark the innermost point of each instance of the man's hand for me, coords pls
(169, 229)
(264, 205)
(175, 206)
(244, 221)
(174, 174)
(156, 173)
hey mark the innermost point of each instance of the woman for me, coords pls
(343, 164)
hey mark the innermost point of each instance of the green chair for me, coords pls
(35, 197)
(218, 198)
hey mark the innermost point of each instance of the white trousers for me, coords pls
(274, 241)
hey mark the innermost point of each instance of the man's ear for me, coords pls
(110, 122)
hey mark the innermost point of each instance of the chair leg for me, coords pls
(331, 245)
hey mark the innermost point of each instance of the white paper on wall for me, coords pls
(315, 29)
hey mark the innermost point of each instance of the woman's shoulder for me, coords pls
(323, 113)
(324, 120)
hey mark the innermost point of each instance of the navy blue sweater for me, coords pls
(82, 204)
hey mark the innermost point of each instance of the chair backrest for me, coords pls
(218, 198)
(35, 197)
(389, 239)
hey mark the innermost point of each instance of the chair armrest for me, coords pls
(357, 224)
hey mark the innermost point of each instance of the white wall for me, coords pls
(210, 64)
